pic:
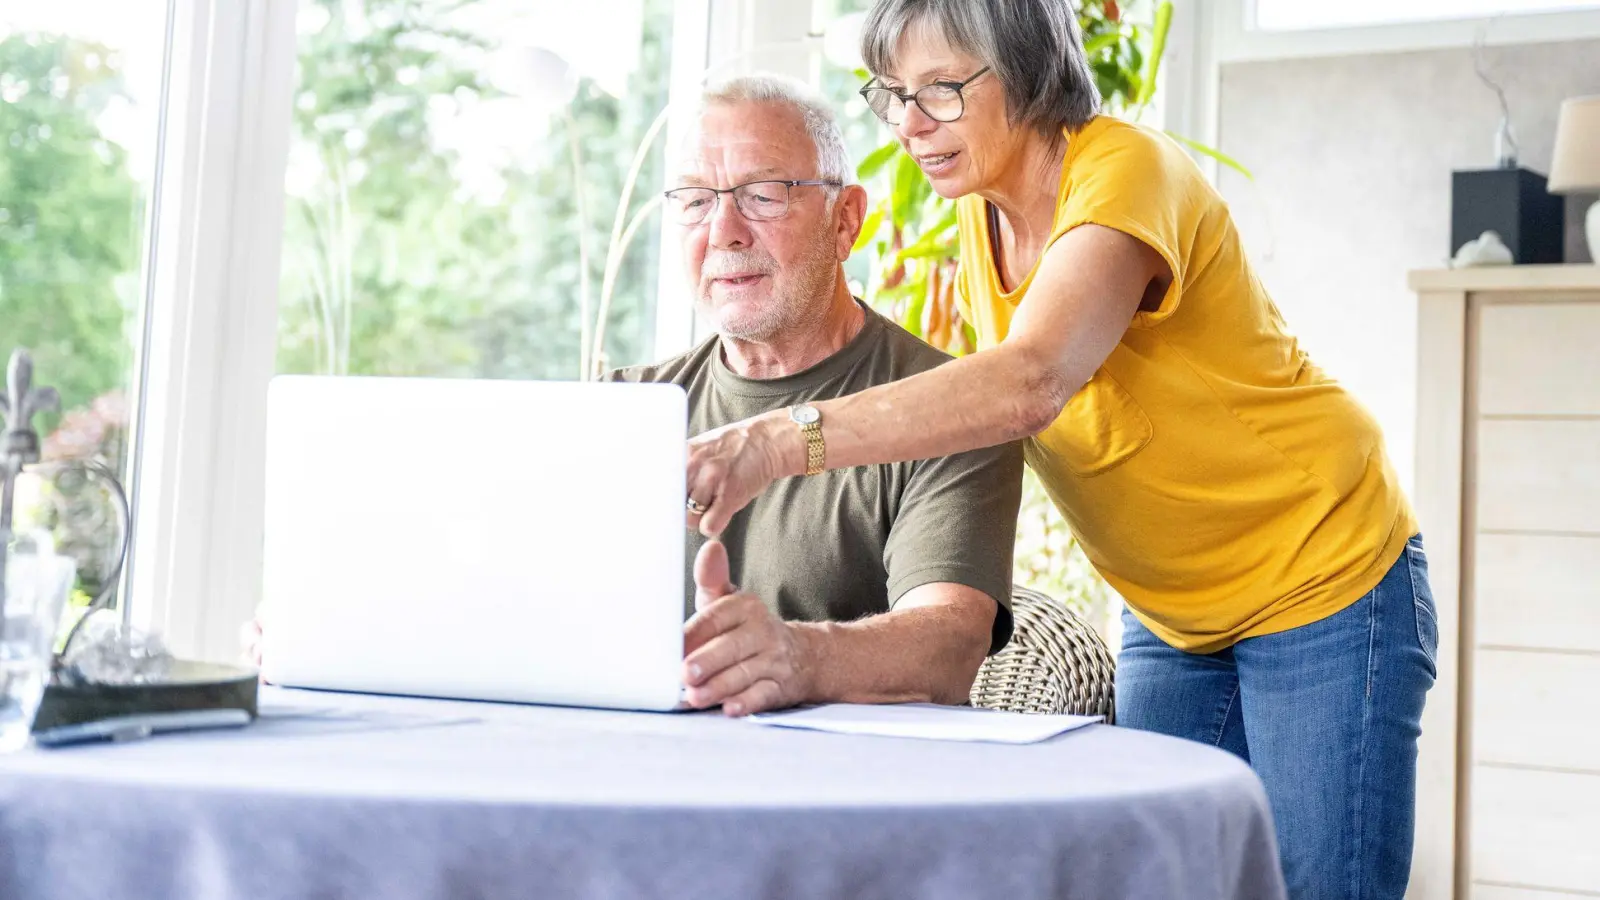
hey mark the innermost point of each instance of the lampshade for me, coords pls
(1576, 165)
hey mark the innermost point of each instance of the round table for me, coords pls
(338, 795)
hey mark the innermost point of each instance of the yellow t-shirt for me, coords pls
(1224, 485)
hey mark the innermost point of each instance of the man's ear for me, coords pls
(851, 207)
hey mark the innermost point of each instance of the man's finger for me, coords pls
(711, 574)
(716, 617)
(720, 653)
(761, 696)
(730, 681)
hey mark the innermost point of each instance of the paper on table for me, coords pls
(927, 721)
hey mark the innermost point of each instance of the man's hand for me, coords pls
(736, 652)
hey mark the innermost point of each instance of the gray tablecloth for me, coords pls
(334, 795)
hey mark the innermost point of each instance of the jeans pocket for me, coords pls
(1422, 599)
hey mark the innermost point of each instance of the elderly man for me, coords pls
(870, 585)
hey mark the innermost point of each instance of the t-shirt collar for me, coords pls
(805, 380)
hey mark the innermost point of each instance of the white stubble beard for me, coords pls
(797, 304)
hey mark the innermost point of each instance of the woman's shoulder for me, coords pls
(1110, 144)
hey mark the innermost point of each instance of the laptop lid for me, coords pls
(493, 540)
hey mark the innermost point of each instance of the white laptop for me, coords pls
(484, 540)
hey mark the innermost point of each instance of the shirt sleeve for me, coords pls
(957, 523)
(1142, 184)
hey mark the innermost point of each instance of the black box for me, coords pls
(1513, 202)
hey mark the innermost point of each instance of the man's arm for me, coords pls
(925, 650)
(739, 654)
(949, 559)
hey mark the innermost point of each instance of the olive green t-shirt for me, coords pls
(849, 543)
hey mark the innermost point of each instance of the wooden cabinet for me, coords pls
(1508, 491)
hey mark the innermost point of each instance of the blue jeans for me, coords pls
(1328, 714)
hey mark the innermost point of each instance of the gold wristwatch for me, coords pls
(810, 421)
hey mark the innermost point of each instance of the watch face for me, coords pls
(805, 415)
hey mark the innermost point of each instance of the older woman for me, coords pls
(1232, 492)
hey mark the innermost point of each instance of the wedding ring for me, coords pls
(696, 508)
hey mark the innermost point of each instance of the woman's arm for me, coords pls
(1089, 285)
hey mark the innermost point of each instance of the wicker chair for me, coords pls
(1054, 663)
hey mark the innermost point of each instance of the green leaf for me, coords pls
(1158, 49)
(869, 230)
(1100, 42)
(876, 160)
(912, 320)
(944, 223)
(903, 195)
(944, 249)
(886, 297)
(1109, 69)
(1107, 85)
(921, 192)
(1215, 154)
(937, 241)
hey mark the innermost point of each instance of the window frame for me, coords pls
(691, 52)
(195, 561)
(1253, 17)
(195, 564)
(1238, 40)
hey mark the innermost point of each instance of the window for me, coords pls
(453, 187)
(1295, 15)
(80, 106)
(841, 83)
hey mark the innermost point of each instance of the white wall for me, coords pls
(1352, 158)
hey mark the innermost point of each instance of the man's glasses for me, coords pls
(941, 101)
(759, 200)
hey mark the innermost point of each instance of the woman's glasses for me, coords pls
(941, 101)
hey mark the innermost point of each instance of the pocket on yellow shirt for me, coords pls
(1101, 427)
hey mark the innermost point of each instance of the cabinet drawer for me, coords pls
(1538, 591)
(1501, 892)
(1539, 475)
(1539, 359)
(1535, 829)
(1537, 709)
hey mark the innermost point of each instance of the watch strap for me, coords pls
(815, 448)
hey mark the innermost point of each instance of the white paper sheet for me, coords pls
(926, 721)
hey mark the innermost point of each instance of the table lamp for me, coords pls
(1575, 168)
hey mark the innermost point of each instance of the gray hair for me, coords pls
(833, 160)
(1033, 46)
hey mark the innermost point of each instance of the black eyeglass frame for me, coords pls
(956, 87)
(788, 187)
